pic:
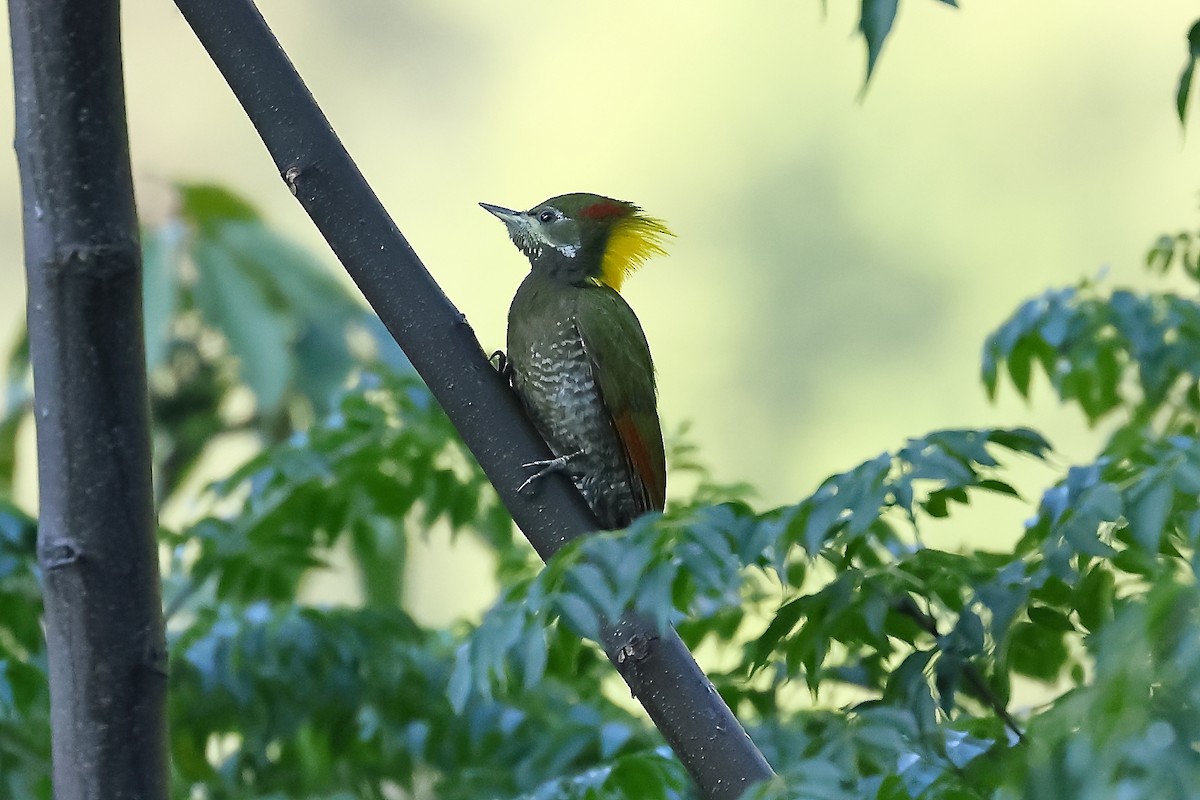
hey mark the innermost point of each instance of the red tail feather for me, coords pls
(649, 471)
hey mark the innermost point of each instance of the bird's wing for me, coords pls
(621, 365)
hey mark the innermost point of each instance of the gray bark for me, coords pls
(96, 533)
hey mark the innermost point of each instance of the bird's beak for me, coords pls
(506, 214)
(519, 226)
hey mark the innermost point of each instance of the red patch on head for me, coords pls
(602, 210)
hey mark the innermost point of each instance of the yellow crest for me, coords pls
(632, 240)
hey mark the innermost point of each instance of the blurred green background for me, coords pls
(838, 261)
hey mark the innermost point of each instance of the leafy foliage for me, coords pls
(1128, 732)
(1120, 351)
(399, 468)
(864, 663)
(24, 699)
(934, 644)
(245, 332)
(699, 565)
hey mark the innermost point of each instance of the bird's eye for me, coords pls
(546, 216)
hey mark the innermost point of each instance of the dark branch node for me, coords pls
(291, 176)
(103, 261)
(636, 649)
(62, 553)
(155, 660)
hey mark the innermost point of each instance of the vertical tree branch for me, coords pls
(660, 671)
(96, 534)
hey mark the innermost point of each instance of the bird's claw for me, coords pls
(500, 361)
(546, 467)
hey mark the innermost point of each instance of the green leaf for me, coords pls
(1094, 602)
(1163, 250)
(22, 686)
(1136, 561)
(18, 365)
(1185, 80)
(875, 24)
(613, 736)
(654, 594)
(205, 205)
(947, 673)
(908, 687)
(162, 249)
(824, 510)
(187, 755)
(579, 615)
(9, 427)
(323, 362)
(785, 621)
(1187, 478)
(257, 333)
(1037, 651)
(969, 633)
(300, 288)
(458, 689)
(990, 366)
(302, 282)
(1102, 501)
(593, 586)
(6, 691)
(1148, 511)
(999, 487)
(1021, 440)
(1050, 618)
(17, 402)
(534, 657)
(1020, 366)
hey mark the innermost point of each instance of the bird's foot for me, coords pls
(547, 467)
(500, 361)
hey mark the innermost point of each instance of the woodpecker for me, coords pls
(577, 355)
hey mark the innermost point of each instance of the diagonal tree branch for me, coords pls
(435, 336)
(96, 531)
